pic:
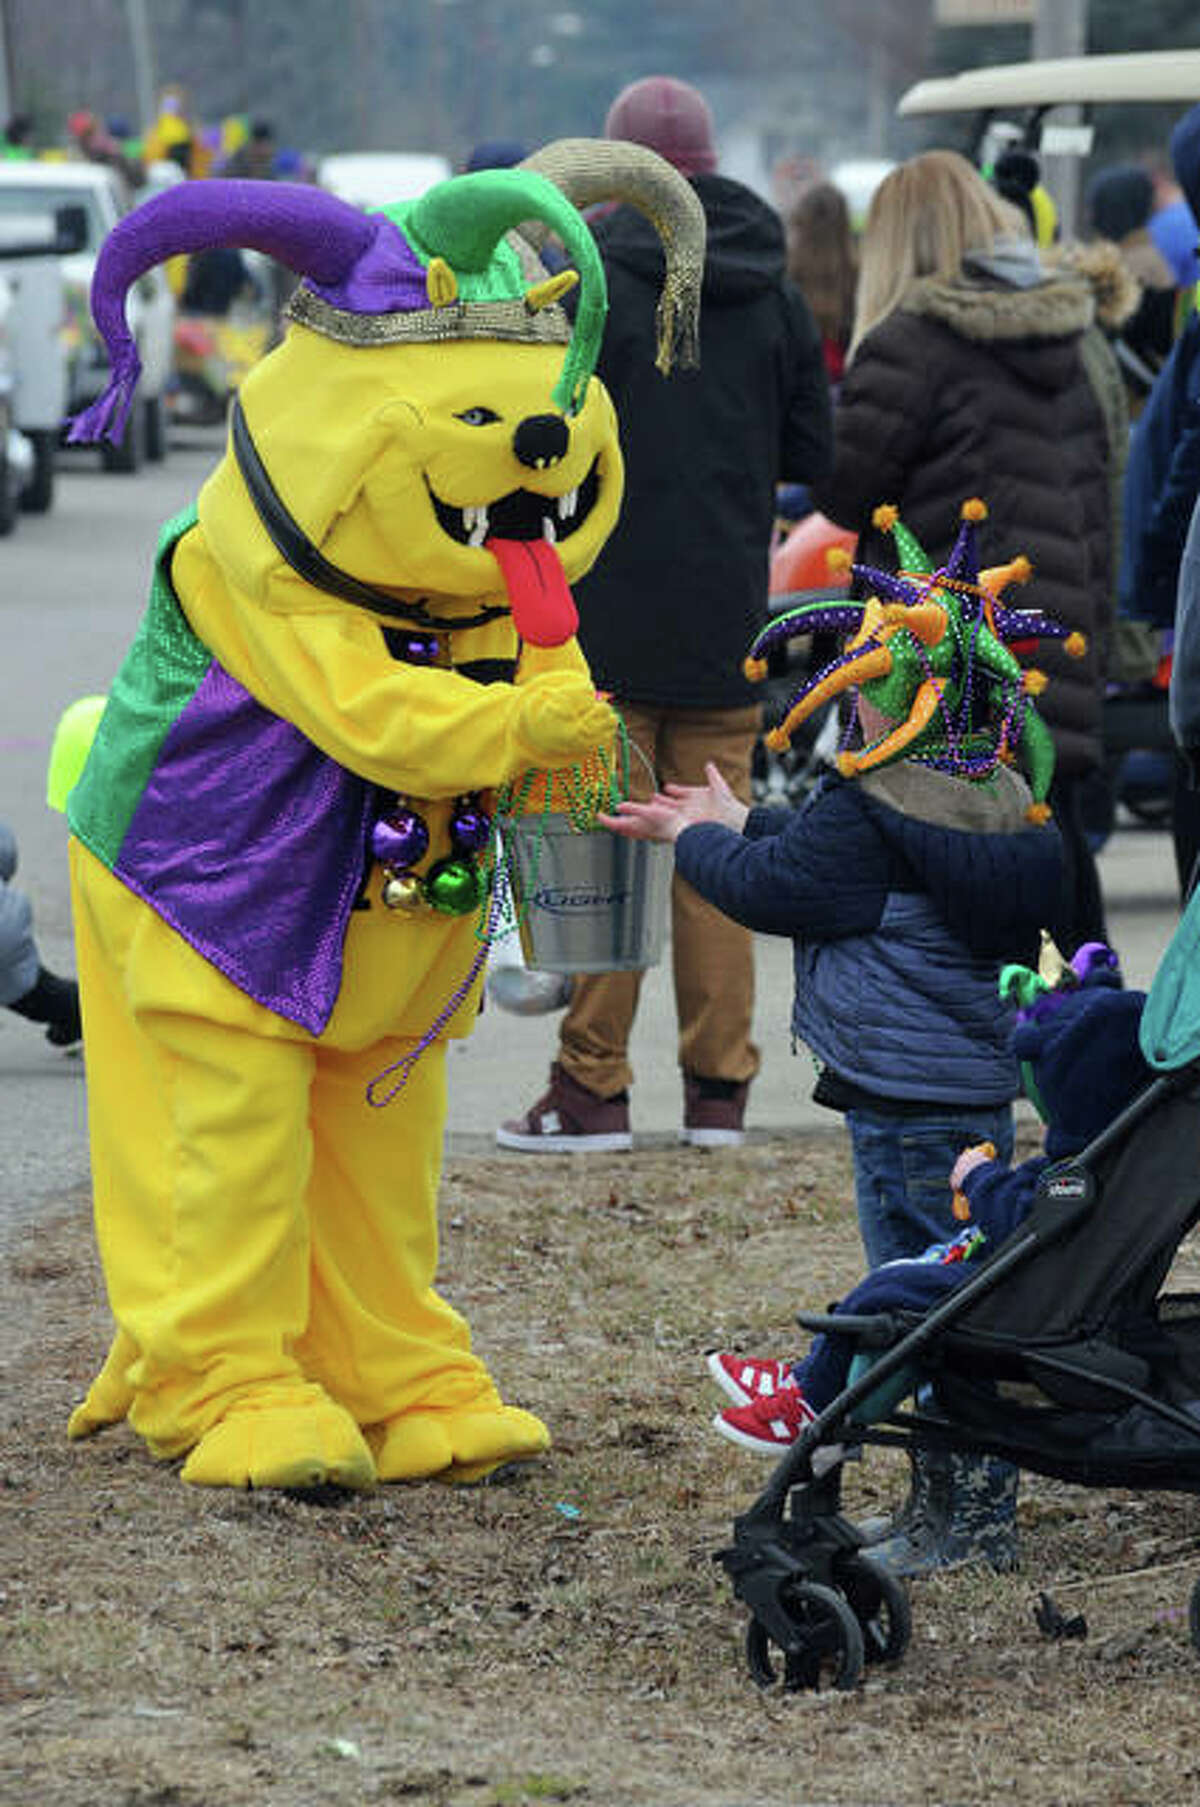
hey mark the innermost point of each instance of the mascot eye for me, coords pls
(477, 417)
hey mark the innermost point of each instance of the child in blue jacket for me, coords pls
(905, 891)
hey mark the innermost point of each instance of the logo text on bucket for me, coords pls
(558, 902)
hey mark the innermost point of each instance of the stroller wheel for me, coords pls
(828, 1642)
(879, 1601)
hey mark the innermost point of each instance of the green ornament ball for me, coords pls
(454, 887)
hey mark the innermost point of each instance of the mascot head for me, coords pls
(429, 440)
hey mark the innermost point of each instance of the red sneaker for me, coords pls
(713, 1110)
(569, 1119)
(770, 1425)
(745, 1379)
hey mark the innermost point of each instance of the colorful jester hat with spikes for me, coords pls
(932, 649)
(449, 265)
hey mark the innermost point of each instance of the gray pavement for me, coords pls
(71, 590)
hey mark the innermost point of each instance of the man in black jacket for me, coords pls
(677, 595)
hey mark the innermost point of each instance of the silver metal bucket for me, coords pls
(588, 903)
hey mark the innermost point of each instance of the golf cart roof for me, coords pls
(1147, 76)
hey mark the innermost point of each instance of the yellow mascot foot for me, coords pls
(110, 1395)
(309, 1443)
(456, 1445)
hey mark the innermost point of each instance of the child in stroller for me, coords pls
(1078, 1048)
(1054, 1351)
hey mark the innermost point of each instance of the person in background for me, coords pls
(1016, 177)
(216, 279)
(823, 264)
(255, 157)
(1184, 695)
(94, 142)
(1120, 203)
(677, 595)
(967, 377)
(175, 136)
(26, 985)
(1162, 481)
(495, 153)
(17, 144)
(1173, 225)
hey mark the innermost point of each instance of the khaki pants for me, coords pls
(713, 957)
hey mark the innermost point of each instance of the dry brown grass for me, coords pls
(565, 1636)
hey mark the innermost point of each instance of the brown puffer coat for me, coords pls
(975, 388)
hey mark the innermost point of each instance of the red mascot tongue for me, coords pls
(543, 609)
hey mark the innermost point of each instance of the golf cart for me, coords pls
(1026, 92)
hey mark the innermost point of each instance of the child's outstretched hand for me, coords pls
(680, 806)
(968, 1161)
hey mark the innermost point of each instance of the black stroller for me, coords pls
(1058, 1353)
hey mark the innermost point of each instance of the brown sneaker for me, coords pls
(712, 1112)
(568, 1119)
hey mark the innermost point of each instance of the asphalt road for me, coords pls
(72, 586)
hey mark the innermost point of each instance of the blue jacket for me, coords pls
(1162, 477)
(904, 891)
(1185, 668)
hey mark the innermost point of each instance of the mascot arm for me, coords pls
(422, 729)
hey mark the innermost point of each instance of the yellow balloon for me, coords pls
(72, 743)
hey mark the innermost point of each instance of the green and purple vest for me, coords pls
(223, 817)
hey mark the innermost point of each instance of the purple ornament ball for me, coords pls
(470, 828)
(400, 840)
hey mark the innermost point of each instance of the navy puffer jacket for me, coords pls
(905, 890)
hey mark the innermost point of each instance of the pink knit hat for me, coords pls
(667, 116)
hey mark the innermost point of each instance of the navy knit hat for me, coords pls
(1085, 1061)
(1120, 200)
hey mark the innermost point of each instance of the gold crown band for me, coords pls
(510, 319)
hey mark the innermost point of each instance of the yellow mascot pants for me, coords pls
(269, 1240)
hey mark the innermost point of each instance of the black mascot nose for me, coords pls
(541, 439)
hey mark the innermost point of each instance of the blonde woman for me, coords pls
(967, 377)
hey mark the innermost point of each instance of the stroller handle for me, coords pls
(874, 1330)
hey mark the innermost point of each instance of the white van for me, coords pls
(33, 355)
(37, 187)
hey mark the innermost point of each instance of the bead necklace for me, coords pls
(453, 885)
(401, 838)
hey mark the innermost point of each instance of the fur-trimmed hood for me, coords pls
(1059, 307)
(1115, 288)
(1031, 327)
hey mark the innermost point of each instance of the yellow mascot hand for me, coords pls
(560, 718)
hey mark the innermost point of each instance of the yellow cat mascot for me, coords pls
(278, 843)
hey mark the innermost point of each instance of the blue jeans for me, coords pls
(902, 1174)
